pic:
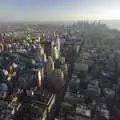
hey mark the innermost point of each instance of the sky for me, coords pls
(58, 10)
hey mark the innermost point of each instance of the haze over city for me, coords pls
(57, 10)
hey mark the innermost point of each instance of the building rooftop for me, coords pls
(83, 110)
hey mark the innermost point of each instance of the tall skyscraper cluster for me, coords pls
(56, 67)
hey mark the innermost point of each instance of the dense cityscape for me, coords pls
(59, 71)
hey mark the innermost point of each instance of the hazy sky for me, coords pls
(52, 10)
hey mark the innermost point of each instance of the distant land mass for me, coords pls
(112, 24)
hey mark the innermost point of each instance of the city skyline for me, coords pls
(58, 10)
